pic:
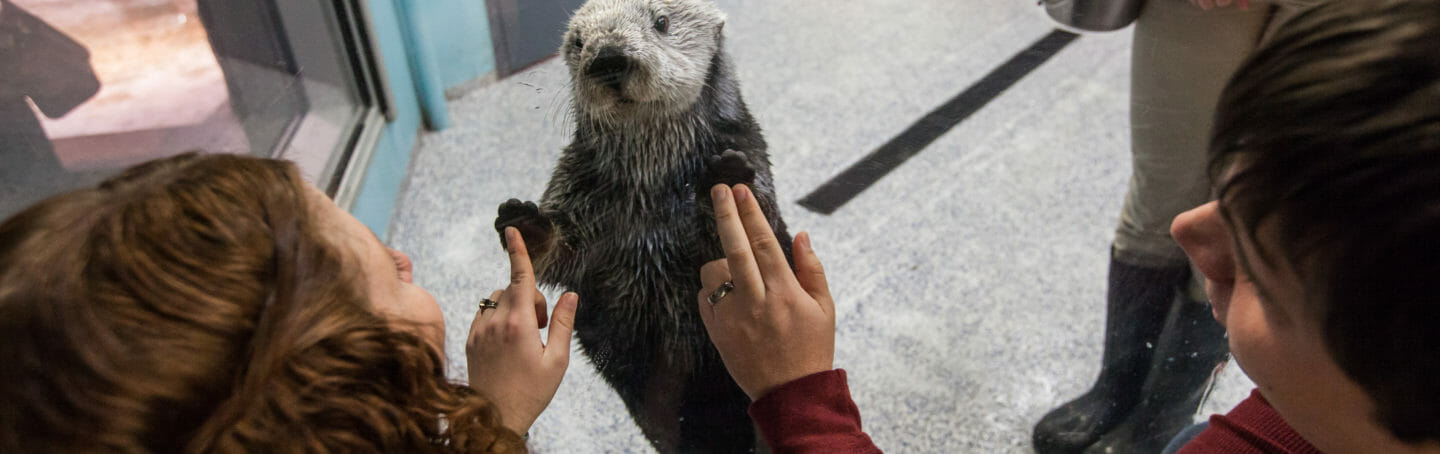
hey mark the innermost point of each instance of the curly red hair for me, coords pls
(191, 304)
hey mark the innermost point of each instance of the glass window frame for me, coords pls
(343, 172)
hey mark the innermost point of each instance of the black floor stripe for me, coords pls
(850, 183)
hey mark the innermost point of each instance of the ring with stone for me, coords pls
(487, 303)
(719, 293)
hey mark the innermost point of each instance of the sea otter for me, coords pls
(626, 219)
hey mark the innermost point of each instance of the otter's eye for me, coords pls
(578, 43)
(662, 24)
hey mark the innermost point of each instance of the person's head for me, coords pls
(1323, 251)
(219, 303)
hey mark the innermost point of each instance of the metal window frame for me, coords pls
(346, 170)
(512, 20)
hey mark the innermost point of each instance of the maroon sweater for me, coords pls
(816, 414)
(1253, 427)
(812, 414)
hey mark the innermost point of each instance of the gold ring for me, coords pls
(487, 303)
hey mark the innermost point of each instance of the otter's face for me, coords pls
(633, 57)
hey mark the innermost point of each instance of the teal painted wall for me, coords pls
(381, 189)
(460, 32)
(455, 35)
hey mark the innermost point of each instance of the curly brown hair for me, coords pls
(191, 304)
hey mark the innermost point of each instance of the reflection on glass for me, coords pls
(88, 87)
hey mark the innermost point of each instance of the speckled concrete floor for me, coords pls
(969, 282)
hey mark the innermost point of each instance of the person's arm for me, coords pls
(507, 361)
(812, 414)
(775, 331)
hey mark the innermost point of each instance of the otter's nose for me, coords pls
(609, 67)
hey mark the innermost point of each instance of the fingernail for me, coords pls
(742, 193)
(805, 239)
(719, 193)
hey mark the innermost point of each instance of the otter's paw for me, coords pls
(526, 217)
(730, 168)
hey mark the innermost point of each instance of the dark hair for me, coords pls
(191, 304)
(1332, 132)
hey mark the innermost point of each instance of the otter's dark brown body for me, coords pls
(626, 223)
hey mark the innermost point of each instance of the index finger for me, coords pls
(522, 275)
(520, 270)
(744, 273)
(769, 255)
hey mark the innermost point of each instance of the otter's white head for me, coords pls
(637, 58)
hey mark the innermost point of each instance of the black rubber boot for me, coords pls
(1190, 348)
(1138, 300)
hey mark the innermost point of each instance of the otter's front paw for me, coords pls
(525, 216)
(730, 168)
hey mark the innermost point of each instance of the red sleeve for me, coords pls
(812, 414)
(1253, 427)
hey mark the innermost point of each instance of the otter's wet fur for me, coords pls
(626, 220)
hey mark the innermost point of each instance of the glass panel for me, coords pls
(962, 166)
(89, 87)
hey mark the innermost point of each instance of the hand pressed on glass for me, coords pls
(507, 361)
(773, 325)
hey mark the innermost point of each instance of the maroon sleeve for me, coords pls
(1253, 427)
(812, 414)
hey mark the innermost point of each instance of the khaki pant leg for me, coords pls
(1182, 58)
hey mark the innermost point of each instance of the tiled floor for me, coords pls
(969, 282)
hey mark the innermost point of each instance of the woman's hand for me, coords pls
(507, 361)
(1208, 4)
(775, 325)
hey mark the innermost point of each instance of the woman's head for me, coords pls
(217, 303)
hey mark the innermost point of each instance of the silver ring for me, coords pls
(719, 293)
(487, 303)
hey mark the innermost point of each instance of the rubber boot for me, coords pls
(1190, 348)
(1138, 301)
